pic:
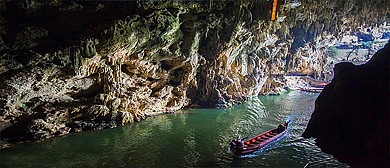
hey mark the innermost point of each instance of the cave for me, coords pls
(70, 66)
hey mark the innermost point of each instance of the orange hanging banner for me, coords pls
(273, 16)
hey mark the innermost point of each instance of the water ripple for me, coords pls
(199, 139)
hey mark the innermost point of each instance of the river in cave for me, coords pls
(187, 138)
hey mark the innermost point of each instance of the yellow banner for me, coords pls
(273, 16)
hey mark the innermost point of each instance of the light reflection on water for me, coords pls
(191, 138)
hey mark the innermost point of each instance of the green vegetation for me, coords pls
(335, 51)
(366, 44)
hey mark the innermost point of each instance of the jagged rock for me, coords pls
(124, 117)
(25, 38)
(97, 111)
(273, 86)
(41, 129)
(102, 99)
(351, 117)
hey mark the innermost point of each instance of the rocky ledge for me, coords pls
(351, 117)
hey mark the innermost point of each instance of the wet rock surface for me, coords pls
(351, 117)
(70, 66)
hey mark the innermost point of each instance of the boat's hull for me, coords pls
(313, 90)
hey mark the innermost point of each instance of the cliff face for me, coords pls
(351, 117)
(72, 66)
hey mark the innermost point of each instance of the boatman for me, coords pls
(236, 144)
(280, 128)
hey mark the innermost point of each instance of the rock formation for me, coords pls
(69, 66)
(351, 117)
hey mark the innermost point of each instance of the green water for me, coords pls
(189, 138)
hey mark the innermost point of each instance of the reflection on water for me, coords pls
(191, 138)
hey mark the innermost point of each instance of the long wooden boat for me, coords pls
(315, 90)
(238, 147)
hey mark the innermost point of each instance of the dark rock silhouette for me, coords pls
(351, 116)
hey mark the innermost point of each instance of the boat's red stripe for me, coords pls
(262, 144)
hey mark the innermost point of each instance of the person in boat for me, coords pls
(280, 128)
(236, 144)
